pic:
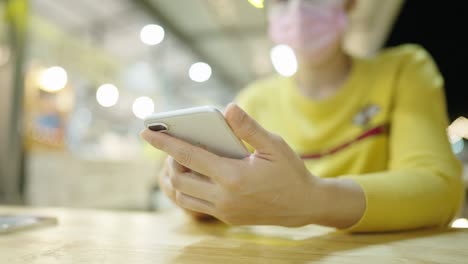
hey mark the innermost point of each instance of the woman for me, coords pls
(363, 143)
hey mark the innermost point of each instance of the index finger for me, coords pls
(188, 155)
(176, 166)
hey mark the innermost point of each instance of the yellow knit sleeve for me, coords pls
(423, 185)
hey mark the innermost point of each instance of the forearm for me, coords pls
(402, 199)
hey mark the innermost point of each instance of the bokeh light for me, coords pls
(107, 95)
(142, 107)
(460, 223)
(257, 3)
(200, 72)
(53, 79)
(284, 60)
(152, 34)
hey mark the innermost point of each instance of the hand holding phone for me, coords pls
(270, 184)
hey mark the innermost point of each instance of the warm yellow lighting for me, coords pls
(53, 79)
(459, 128)
(257, 3)
(460, 223)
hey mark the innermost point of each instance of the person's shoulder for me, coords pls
(407, 60)
(402, 54)
(414, 67)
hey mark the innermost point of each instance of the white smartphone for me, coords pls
(201, 126)
(13, 223)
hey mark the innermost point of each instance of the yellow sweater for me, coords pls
(385, 128)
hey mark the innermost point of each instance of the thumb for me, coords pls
(247, 129)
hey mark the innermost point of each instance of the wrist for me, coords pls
(336, 202)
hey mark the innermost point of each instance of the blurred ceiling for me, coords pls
(229, 35)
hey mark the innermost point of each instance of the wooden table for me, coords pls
(86, 236)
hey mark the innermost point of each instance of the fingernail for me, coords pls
(235, 106)
(236, 112)
(229, 106)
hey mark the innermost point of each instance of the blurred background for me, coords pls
(77, 77)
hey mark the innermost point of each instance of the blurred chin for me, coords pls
(316, 58)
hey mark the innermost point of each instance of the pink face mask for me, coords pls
(310, 29)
